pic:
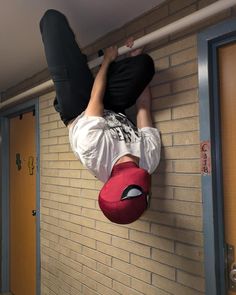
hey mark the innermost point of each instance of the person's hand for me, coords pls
(129, 43)
(111, 54)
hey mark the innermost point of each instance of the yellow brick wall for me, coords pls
(161, 253)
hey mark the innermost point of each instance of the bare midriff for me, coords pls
(128, 158)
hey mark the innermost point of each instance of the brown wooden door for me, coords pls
(22, 202)
(227, 71)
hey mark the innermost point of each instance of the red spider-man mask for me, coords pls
(124, 197)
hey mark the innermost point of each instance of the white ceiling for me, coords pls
(21, 51)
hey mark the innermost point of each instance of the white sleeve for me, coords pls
(151, 149)
(85, 135)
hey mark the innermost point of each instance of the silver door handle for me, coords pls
(232, 274)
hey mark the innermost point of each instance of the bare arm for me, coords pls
(143, 107)
(95, 106)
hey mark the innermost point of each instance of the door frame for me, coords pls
(5, 116)
(212, 185)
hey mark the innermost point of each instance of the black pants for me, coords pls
(126, 79)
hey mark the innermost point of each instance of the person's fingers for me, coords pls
(136, 52)
(129, 42)
(111, 53)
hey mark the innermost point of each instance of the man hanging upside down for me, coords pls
(112, 148)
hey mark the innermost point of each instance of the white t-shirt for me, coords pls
(99, 142)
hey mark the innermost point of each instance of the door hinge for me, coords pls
(230, 268)
(37, 164)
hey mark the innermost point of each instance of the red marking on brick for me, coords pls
(205, 157)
